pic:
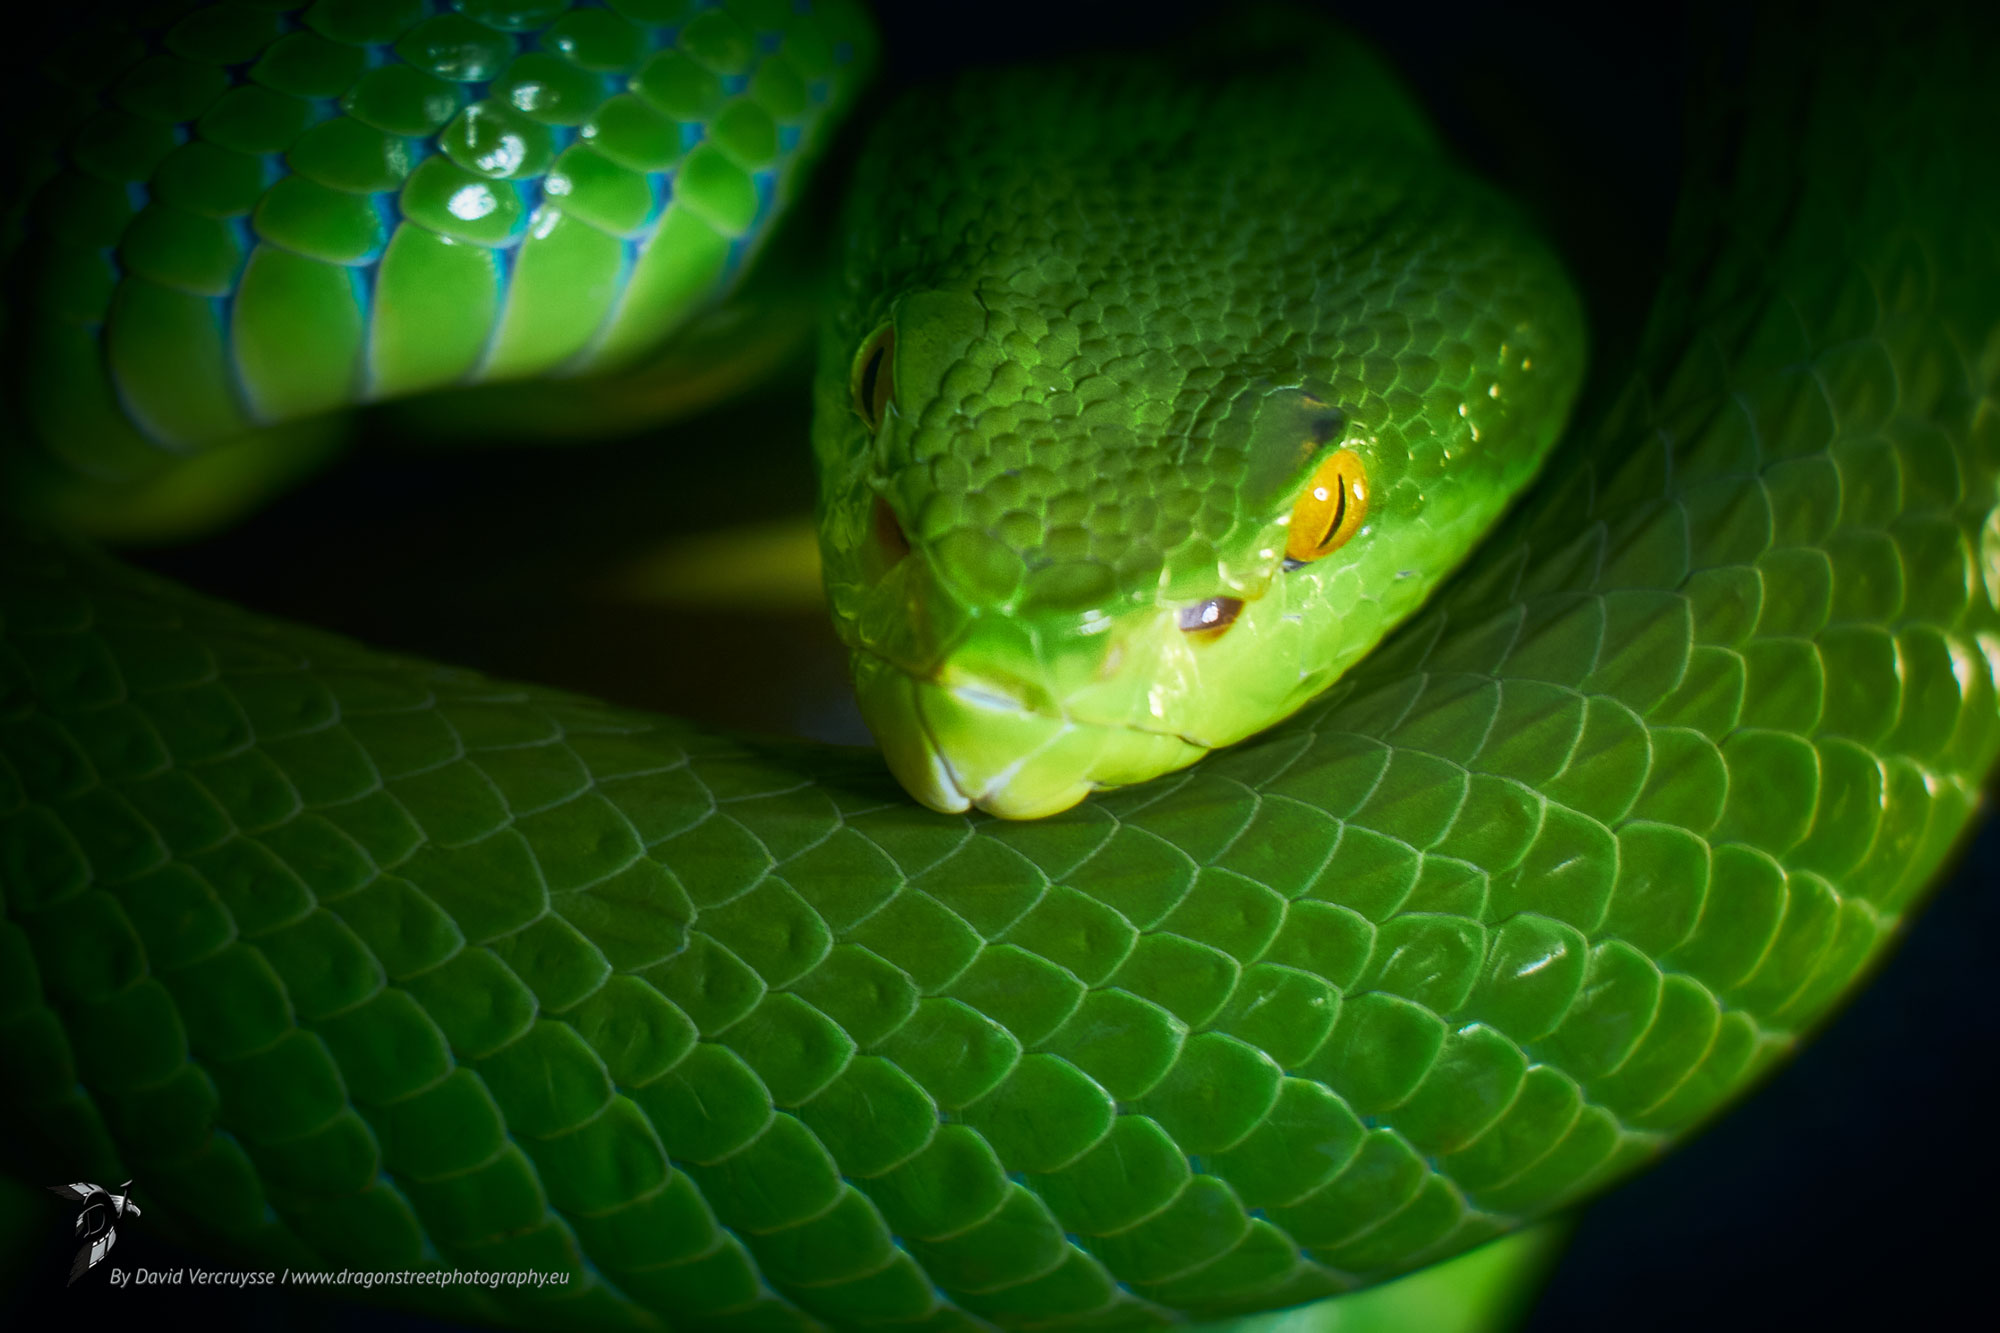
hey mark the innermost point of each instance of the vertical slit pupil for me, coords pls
(1339, 511)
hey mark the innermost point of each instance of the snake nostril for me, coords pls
(873, 379)
(891, 543)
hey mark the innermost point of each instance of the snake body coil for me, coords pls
(357, 961)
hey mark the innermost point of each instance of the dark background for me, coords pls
(1852, 1190)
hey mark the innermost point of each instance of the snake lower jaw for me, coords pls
(955, 745)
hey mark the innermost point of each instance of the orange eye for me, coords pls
(1331, 510)
(874, 378)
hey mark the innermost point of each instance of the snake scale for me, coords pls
(360, 961)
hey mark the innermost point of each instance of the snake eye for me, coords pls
(1330, 510)
(1210, 618)
(874, 378)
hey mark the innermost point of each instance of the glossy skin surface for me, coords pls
(263, 212)
(360, 957)
(1175, 288)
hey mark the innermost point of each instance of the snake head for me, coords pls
(1131, 452)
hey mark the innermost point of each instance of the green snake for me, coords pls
(353, 961)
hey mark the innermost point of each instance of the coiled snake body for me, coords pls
(361, 962)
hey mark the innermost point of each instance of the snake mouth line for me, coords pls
(956, 746)
(999, 701)
(970, 792)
